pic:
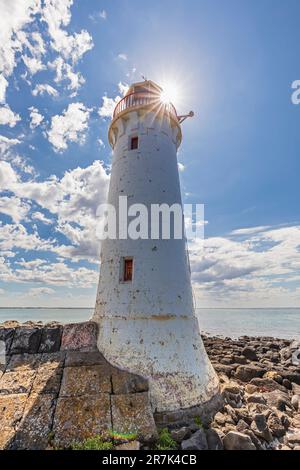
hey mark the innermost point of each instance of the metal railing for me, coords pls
(143, 99)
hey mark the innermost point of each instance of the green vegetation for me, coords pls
(118, 436)
(198, 422)
(165, 441)
(93, 443)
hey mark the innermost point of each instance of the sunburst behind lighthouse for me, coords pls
(144, 308)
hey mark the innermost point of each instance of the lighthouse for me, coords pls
(144, 306)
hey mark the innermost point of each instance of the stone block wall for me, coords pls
(56, 388)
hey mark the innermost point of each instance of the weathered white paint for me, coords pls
(148, 326)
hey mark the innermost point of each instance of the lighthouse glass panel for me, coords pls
(128, 269)
(134, 143)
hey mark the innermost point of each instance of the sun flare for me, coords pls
(169, 93)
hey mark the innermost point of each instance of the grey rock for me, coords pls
(237, 441)
(278, 399)
(260, 427)
(267, 385)
(197, 441)
(275, 425)
(6, 335)
(256, 398)
(296, 401)
(242, 426)
(248, 372)
(26, 340)
(214, 441)
(250, 353)
(50, 340)
(181, 434)
(287, 384)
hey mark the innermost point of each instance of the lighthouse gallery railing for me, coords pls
(142, 99)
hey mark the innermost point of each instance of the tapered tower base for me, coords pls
(168, 351)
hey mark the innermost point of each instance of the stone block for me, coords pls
(19, 362)
(34, 429)
(124, 382)
(53, 360)
(11, 412)
(131, 413)
(79, 337)
(26, 340)
(85, 380)
(16, 382)
(78, 358)
(78, 418)
(6, 335)
(47, 381)
(51, 339)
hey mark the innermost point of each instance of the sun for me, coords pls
(170, 93)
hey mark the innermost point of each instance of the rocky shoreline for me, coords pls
(260, 383)
(56, 388)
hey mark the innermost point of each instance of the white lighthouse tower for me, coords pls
(144, 307)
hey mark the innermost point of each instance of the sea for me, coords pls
(235, 322)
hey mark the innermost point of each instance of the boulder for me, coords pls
(260, 427)
(248, 372)
(256, 398)
(181, 434)
(293, 438)
(237, 441)
(197, 441)
(266, 384)
(242, 426)
(278, 399)
(249, 353)
(275, 425)
(296, 401)
(214, 440)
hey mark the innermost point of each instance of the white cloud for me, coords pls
(64, 71)
(3, 86)
(73, 199)
(181, 167)
(7, 176)
(6, 144)
(123, 88)
(69, 126)
(122, 56)
(43, 88)
(98, 15)
(71, 46)
(256, 270)
(8, 117)
(37, 291)
(41, 217)
(108, 106)
(35, 117)
(33, 64)
(14, 16)
(14, 207)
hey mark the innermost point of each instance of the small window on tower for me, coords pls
(134, 143)
(127, 269)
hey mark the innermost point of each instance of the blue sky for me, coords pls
(63, 66)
